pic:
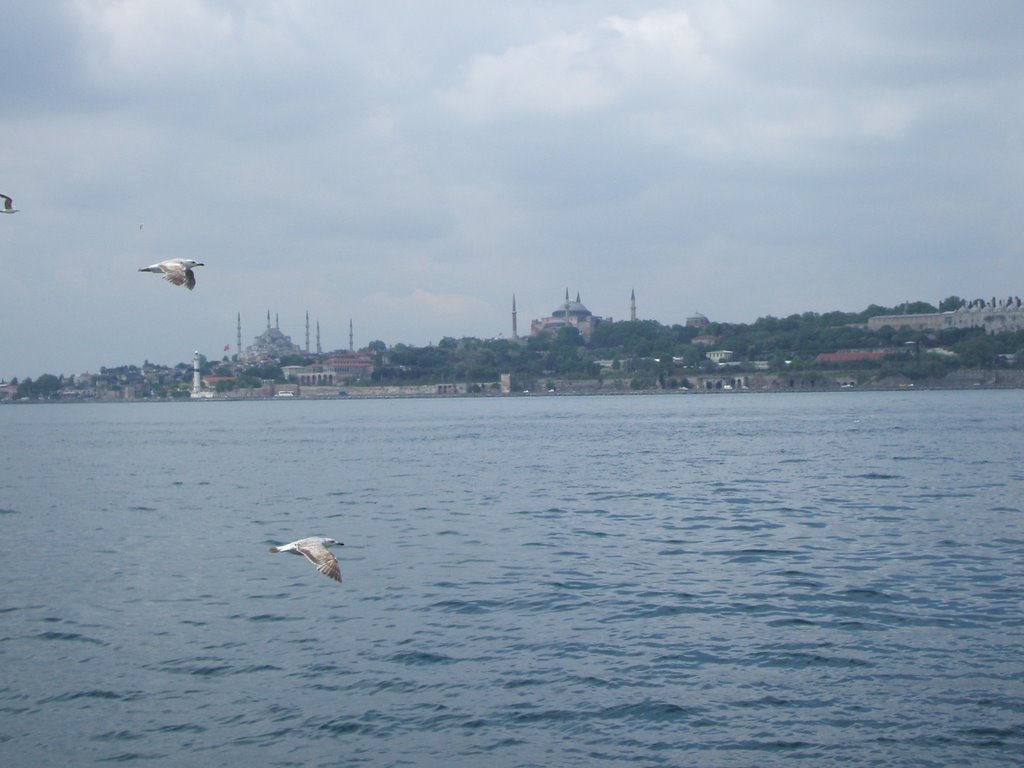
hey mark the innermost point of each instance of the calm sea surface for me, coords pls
(689, 580)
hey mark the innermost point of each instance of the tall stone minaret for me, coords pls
(268, 319)
(277, 321)
(319, 351)
(307, 331)
(632, 305)
(351, 338)
(238, 348)
(515, 330)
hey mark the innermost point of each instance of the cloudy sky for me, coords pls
(412, 165)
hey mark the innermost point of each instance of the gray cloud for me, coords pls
(412, 165)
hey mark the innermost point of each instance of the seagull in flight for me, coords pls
(177, 271)
(8, 205)
(315, 549)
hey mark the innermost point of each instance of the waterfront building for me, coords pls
(342, 368)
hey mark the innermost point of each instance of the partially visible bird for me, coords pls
(8, 205)
(315, 549)
(177, 271)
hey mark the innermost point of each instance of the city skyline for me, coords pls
(412, 166)
(973, 309)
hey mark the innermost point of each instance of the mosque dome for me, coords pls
(571, 308)
(697, 320)
(271, 344)
(569, 314)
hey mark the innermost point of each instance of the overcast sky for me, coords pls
(412, 165)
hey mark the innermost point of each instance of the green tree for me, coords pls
(977, 351)
(45, 387)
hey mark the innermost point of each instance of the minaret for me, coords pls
(319, 351)
(268, 319)
(307, 331)
(351, 338)
(515, 331)
(238, 348)
(277, 321)
(632, 305)
(197, 379)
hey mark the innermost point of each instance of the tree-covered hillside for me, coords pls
(651, 353)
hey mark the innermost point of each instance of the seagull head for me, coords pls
(192, 263)
(332, 542)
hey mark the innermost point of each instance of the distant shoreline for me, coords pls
(355, 395)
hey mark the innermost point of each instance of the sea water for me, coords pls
(683, 580)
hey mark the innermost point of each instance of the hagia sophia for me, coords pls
(571, 314)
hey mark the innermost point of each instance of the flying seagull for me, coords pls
(8, 205)
(177, 271)
(315, 549)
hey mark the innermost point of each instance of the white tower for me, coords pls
(197, 380)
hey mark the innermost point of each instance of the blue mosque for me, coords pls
(272, 344)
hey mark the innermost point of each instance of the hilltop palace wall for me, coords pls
(994, 316)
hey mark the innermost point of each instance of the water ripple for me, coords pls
(687, 580)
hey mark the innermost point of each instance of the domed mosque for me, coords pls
(570, 313)
(272, 344)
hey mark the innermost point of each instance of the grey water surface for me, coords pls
(681, 580)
